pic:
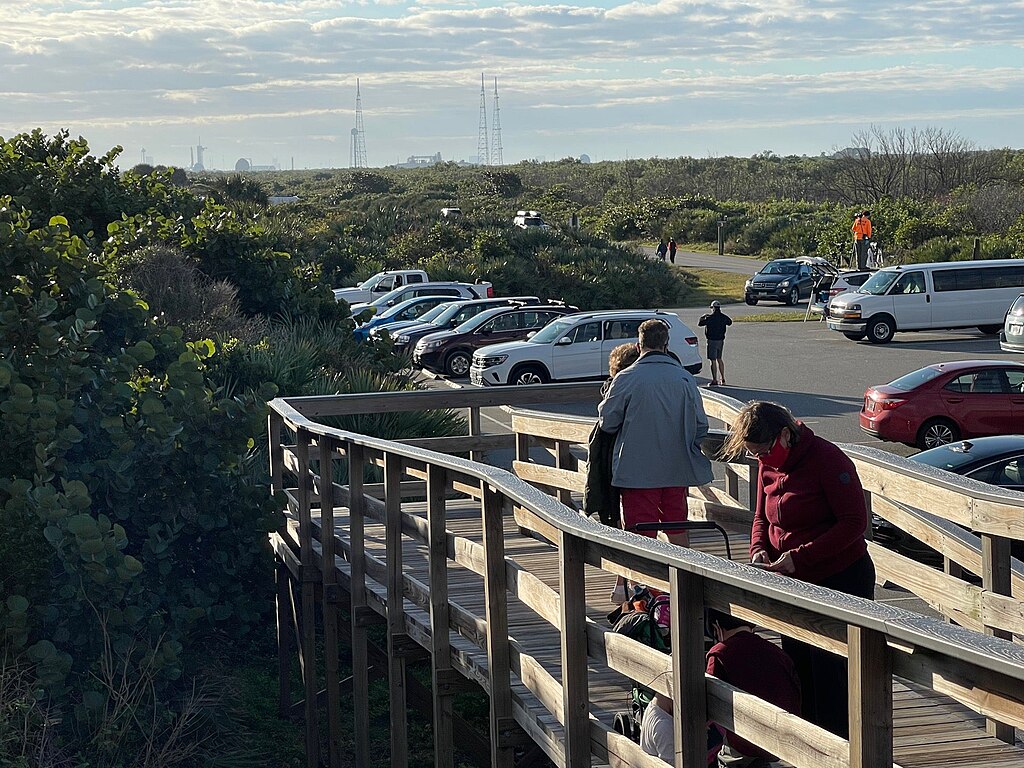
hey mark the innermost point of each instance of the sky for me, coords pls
(274, 81)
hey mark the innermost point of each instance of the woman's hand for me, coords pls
(784, 564)
(760, 559)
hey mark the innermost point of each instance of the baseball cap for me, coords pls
(715, 304)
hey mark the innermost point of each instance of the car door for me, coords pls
(580, 357)
(1015, 384)
(980, 401)
(616, 332)
(911, 301)
(507, 326)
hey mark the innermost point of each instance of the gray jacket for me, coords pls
(656, 409)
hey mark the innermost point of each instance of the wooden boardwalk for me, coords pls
(930, 730)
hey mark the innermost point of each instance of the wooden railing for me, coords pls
(983, 671)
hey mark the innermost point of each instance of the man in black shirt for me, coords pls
(714, 323)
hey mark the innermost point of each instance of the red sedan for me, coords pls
(945, 402)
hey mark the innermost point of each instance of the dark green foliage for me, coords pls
(123, 472)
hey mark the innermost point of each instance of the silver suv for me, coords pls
(576, 348)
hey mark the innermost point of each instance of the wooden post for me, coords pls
(496, 613)
(474, 430)
(329, 581)
(995, 577)
(441, 651)
(870, 698)
(276, 451)
(284, 645)
(309, 579)
(575, 681)
(396, 610)
(688, 664)
(564, 460)
(360, 656)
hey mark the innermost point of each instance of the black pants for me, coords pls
(824, 687)
(862, 255)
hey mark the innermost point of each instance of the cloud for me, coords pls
(138, 64)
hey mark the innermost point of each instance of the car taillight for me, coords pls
(691, 340)
(888, 403)
(490, 291)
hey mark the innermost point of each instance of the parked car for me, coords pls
(379, 284)
(841, 283)
(410, 309)
(529, 220)
(942, 403)
(785, 280)
(450, 289)
(576, 347)
(996, 460)
(1012, 337)
(922, 297)
(454, 315)
(451, 352)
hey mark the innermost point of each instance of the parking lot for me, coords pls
(821, 375)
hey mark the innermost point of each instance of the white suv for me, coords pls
(576, 347)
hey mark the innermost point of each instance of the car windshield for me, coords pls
(780, 268)
(552, 331)
(369, 282)
(450, 312)
(432, 314)
(401, 307)
(470, 325)
(915, 379)
(944, 457)
(880, 282)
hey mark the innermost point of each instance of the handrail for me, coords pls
(897, 623)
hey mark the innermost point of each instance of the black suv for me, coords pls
(456, 314)
(785, 280)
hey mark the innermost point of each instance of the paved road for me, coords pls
(738, 264)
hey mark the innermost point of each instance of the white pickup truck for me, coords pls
(379, 284)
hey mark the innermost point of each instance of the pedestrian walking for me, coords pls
(655, 409)
(861, 238)
(714, 324)
(809, 524)
(672, 250)
(662, 249)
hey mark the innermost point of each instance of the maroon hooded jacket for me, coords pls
(812, 506)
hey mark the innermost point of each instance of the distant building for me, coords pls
(244, 166)
(282, 199)
(584, 158)
(420, 161)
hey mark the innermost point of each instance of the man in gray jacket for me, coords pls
(655, 408)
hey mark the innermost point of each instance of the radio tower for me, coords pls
(482, 151)
(358, 134)
(496, 130)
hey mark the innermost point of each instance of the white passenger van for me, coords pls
(921, 297)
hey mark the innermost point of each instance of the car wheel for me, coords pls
(990, 330)
(457, 364)
(881, 329)
(751, 300)
(854, 336)
(793, 297)
(529, 374)
(936, 432)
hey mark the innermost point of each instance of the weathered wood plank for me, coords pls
(575, 684)
(870, 691)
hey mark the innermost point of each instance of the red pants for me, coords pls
(653, 505)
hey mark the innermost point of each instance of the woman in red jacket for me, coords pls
(809, 524)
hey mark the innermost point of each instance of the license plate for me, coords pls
(1016, 328)
(870, 405)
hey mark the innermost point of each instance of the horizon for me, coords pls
(610, 80)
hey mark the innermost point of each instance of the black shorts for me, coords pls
(715, 348)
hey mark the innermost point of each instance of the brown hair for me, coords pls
(760, 422)
(621, 357)
(653, 334)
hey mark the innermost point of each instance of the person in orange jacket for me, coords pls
(861, 237)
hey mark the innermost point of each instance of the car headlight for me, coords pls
(784, 284)
(423, 345)
(402, 338)
(489, 361)
(747, 284)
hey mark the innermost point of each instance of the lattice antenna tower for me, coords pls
(482, 146)
(496, 158)
(358, 133)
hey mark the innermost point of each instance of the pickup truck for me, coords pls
(379, 284)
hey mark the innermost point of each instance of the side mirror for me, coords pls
(564, 341)
(531, 334)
